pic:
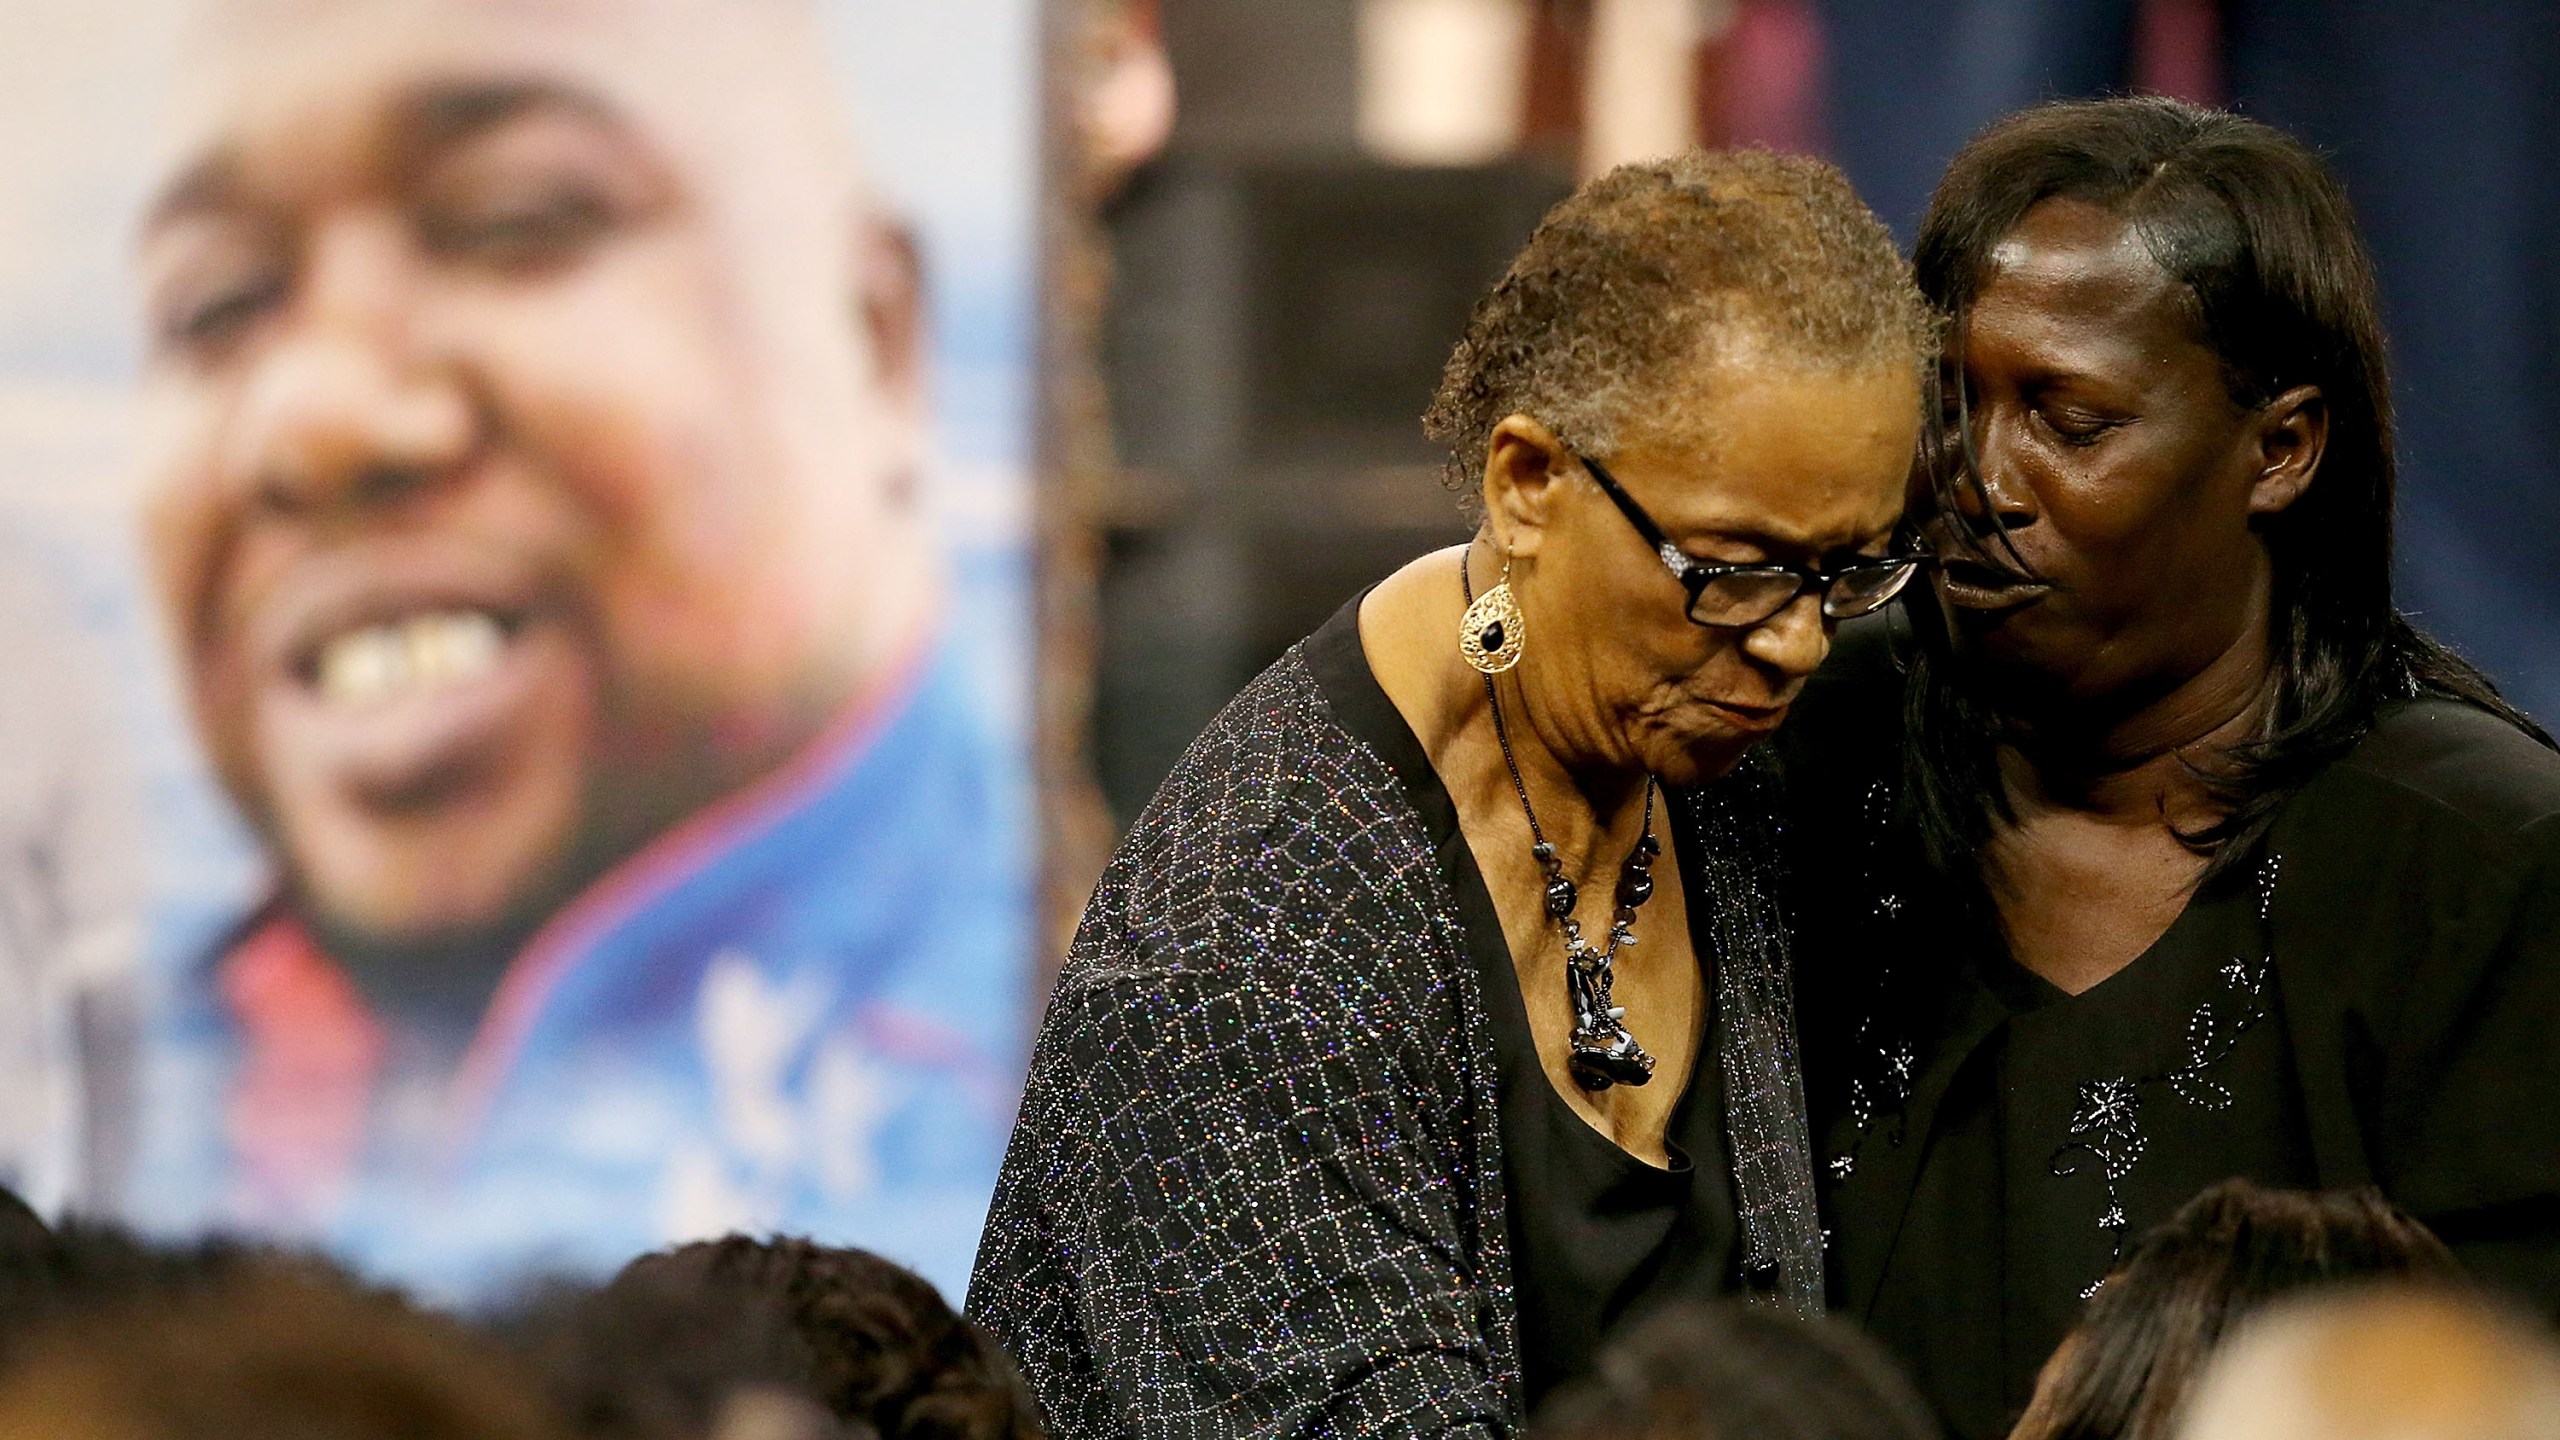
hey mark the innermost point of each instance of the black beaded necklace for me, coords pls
(1604, 1054)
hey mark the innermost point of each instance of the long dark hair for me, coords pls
(2138, 1352)
(2260, 234)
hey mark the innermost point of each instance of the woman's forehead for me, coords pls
(1738, 387)
(1811, 458)
(2071, 256)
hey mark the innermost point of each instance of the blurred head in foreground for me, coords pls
(664, 1361)
(2383, 1364)
(2128, 1369)
(1736, 1372)
(274, 1355)
(533, 427)
(723, 1328)
(49, 1278)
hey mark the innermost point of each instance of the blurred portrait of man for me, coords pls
(539, 508)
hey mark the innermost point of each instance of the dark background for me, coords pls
(1282, 303)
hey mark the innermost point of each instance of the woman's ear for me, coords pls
(2292, 431)
(1521, 468)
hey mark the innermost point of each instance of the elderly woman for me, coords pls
(2183, 856)
(1359, 1108)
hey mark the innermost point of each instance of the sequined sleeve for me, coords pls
(1256, 1185)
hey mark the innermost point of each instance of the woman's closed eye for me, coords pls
(2076, 427)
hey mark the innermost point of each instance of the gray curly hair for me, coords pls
(1654, 266)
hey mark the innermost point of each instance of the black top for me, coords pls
(2090, 1118)
(2371, 998)
(1597, 1235)
(1258, 1187)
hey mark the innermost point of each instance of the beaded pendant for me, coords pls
(1604, 1053)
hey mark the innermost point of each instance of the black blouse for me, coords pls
(2081, 1120)
(2371, 998)
(1597, 1234)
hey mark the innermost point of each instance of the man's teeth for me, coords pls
(406, 656)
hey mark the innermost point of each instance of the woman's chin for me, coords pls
(1693, 740)
(2033, 640)
(2027, 669)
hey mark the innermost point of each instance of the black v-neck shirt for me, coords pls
(2067, 1127)
(2371, 998)
(1597, 1235)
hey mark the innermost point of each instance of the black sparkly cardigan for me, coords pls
(1256, 1188)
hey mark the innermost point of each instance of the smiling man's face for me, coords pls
(533, 427)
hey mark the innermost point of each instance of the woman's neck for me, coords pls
(1409, 634)
(1591, 814)
(2147, 762)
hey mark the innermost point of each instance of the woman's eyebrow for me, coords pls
(1811, 549)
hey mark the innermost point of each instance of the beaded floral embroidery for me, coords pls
(2106, 1124)
(2106, 1121)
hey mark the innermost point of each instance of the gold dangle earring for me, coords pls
(1491, 634)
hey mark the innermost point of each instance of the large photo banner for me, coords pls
(514, 589)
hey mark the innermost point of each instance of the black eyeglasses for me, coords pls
(1738, 596)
